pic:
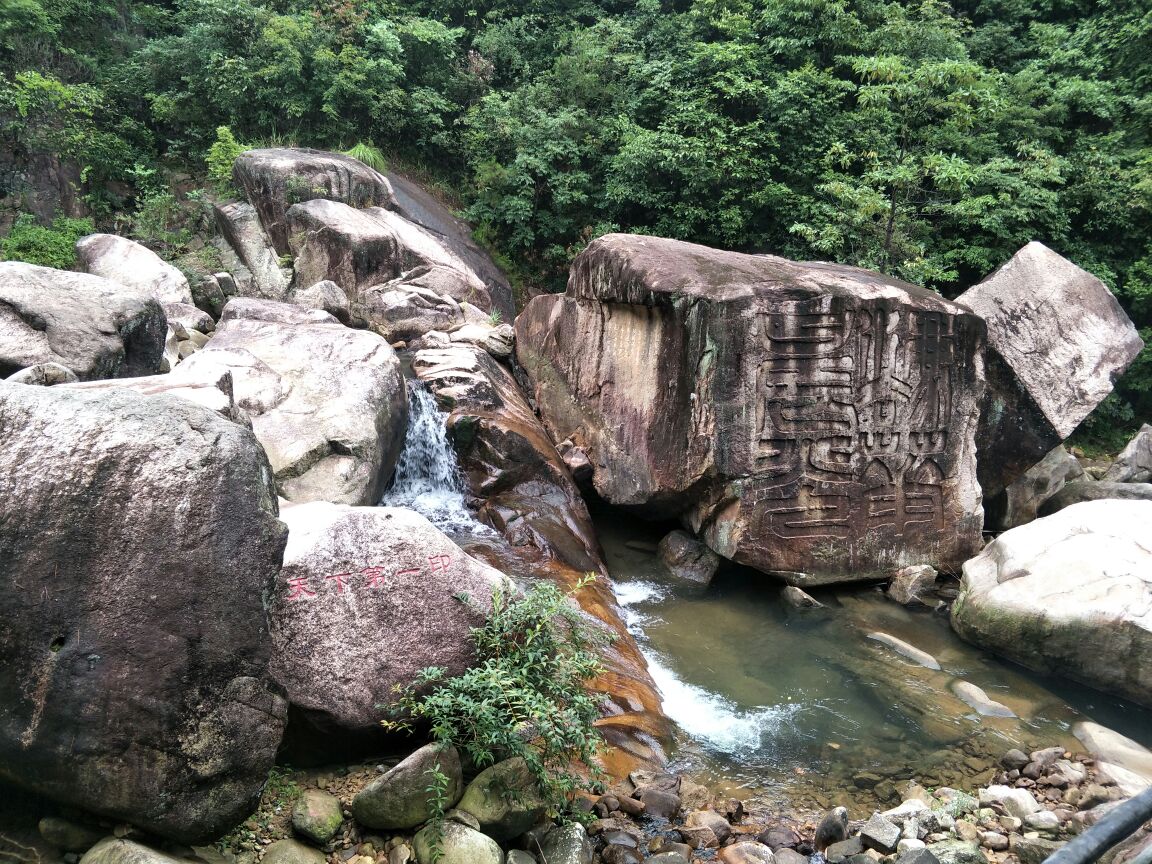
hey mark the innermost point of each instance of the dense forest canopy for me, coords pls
(925, 139)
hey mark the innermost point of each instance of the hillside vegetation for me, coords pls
(923, 139)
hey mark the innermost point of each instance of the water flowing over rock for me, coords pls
(1057, 339)
(274, 179)
(94, 326)
(799, 417)
(366, 599)
(1067, 595)
(127, 262)
(327, 403)
(138, 541)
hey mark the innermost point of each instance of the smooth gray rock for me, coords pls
(211, 388)
(291, 852)
(112, 850)
(746, 852)
(1020, 503)
(140, 541)
(880, 834)
(1035, 850)
(501, 815)
(458, 844)
(327, 403)
(255, 265)
(134, 265)
(842, 850)
(957, 852)
(325, 295)
(317, 815)
(1134, 464)
(43, 375)
(365, 600)
(917, 856)
(1064, 596)
(400, 799)
(567, 844)
(1095, 490)
(798, 598)
(983, 704)
(193, 320)
(94, 326)
(911, 584)
(687, 558)
(1057, 339)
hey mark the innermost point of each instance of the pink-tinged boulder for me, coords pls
(131, 264)
(366, 599)
(138, 544)
(1057, 340)
(94, 326)
(807, 419)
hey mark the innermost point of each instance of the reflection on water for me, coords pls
(801, 705)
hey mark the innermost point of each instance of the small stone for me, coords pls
(518, 856)
(1014, 759)
(993, 840)
(880, 834)
(115, 850)
(667, 858)
(317, 816)
(1044, 820)
(907, 844)
(292, 852)
(843, 850)
(403, 854)
(458, 844)
(631, 806)
(1010, 823)
(567, 844)
(1033, 850)
(917, 856)
(663, 805)
(957, 852)
(746, 852)
(784, 855)
(698, 838)
(798, 598)
(710, 819)
(616, 854)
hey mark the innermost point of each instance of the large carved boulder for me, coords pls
(1067, 595)
(803, 418)
(276, 178)
(138, 542)
(127, 262)
(1057, 340)
(365, 601)
(327, 403)
(528, 495)
(94, 326)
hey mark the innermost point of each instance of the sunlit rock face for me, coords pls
(807, 419)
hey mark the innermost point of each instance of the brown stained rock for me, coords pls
(93, 326)
(138, 544)
(365, 600)
(800, 417)
(1057, 339)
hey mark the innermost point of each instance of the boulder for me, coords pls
(338, 243)
(452, 281)
(327, 403)
(567, 844)
(211, 388)
(139, 541)
(806, 419)
(317, 815)
(687, 558)
(496, 340)
(288, 851)
(113, 850)
(1120, 758)
(43, 375)
(275, 179)
(398, 311)
(400, 799)
(325, 295)
(505, 799)
(365, 600)
(418, 206)
(798, 598)
(454, 843)
(1020, 502)
(981, 702)
(248, 253)
(1134, 464)
(1080, 491)
(910, 584)
(91, 325)
(1065, 595)
(746, 852)
(133, 265)
(1057, 339)
(185, 315)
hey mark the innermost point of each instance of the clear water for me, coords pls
(427, 477)
(801, 706)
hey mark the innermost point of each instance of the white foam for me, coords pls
(630, 593)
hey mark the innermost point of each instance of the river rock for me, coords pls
(688, 558)
(1035, 850)
(746, 852)
(1057, 339)
(43, 375)
(910, 584)
(140, 541)
(456, 844)
(1120, 758)
(249, 255)
(401, 312)
(833, 828)
(984, 705)
(365, 600)
(906, 650)
(113, 850)
(400, 799)
(317, 815)
(93, 326)
(289, 851)
(957, 852)
(131, 264)
(1020, 502)
(504, 798)
(1062, 596)
(798, 598)
(325, 295)
(327, 403)
(1017, 802)
(275, 179)
(710, 819)
(880, 834)
(567, 844)
(802, 418)
(1134, 464)
(1095, 490)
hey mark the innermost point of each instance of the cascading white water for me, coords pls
(427, 477)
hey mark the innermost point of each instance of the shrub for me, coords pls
(524, 696)
(220, 157)
(49, 246)
(369, 154)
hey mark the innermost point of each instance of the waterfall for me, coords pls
(427, 477)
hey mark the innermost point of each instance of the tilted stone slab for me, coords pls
(138, 544)
(1057, 341)
(800, 417)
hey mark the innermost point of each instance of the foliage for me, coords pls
(48, 246)
(221, 156)
(524, 696)
(369, 154)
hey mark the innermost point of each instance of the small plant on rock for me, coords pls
(525, 696)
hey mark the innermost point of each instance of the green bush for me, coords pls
(524, 697)
(220, 157)
(48, 246)
(369, 154)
